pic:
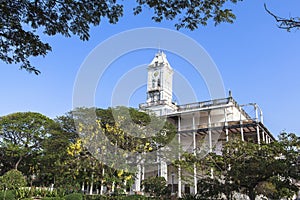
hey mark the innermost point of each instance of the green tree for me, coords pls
(155, 186)
(21, 139)
(251, 169)
(21, 22)
(117, 139)
(12, 180)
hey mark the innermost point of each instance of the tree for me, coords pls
(155, 186)
(22, 21)
(113, 140)
(251, 169)
(12, 180)
(21, 139)
(285, 23)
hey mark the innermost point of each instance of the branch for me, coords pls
(284, 23)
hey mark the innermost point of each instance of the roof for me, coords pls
(160, 58)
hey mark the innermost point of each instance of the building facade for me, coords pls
(215, 122)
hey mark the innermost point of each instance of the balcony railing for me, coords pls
(204, 104)
(155, 103)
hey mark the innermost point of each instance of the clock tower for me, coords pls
(159, 86)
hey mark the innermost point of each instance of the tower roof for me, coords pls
(160, 58)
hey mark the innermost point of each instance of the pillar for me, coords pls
(258, 134)
(194, 151)
(226, 125)
(138, 179)
(209, 132)
(179, 168)
(241, 125)
(102, 186)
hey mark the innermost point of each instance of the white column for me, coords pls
(83, 186)
(194, 151)
(263, 136)
(143, 171)
(92, 184)
(242, 131)
(164, 169)
(138, 179)
(209, 132)
(102, 186)
(179, 168)
(241, 125)
(258, 134)
(226, 125)
(143, 175)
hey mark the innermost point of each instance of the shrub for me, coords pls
(53, 198)
(95, 197)
(134, 197)
(7, 195)
(23, 193)
(12, 180)
(74, 196)
(156, 186)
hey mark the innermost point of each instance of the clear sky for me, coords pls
(257, 61)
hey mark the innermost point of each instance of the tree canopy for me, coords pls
(50, 151)
(251, 169)
(22, 22)
(22, 136)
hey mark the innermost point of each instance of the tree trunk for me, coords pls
(18, 162)
(251, 194)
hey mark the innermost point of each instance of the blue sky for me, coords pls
(257, 61)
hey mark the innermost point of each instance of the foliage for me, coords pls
(155, 186)
(24, 192)
(41, 192)
(7, 195)
(252, 169)
(74, 196)
(126, 132)
(190, 197)
(22, 22)
(22, 136)
(129, 197)
(94, 197)
(53, 198)
(12, 180)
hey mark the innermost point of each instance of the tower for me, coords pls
(159, 86)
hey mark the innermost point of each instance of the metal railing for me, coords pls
(204, 104)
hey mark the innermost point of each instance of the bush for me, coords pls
(23, 193)
(95, 197)
(12, 180)
(134, 197)
(53, 198)
(7, 195)
(74, 196)
(129, 197)
(156, 186)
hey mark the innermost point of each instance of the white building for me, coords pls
(215, 121)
